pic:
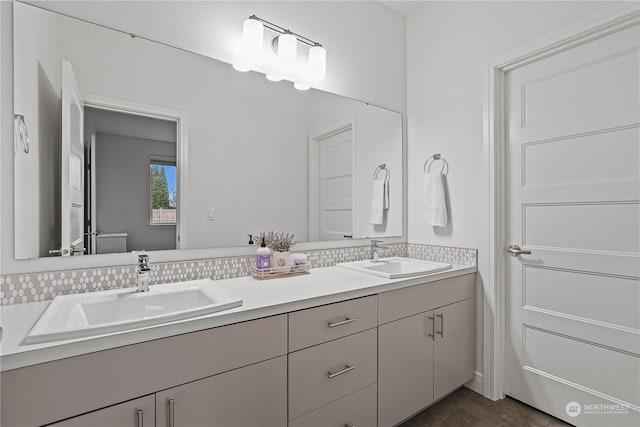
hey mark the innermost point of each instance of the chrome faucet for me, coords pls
(375, 250)
(143, 273)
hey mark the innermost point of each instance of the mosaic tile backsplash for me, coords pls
(447, 254)
(21, 288)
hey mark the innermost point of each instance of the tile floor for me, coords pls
(466, 408)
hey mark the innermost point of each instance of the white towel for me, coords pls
(386, 195)
(379, 201)
(435, 204)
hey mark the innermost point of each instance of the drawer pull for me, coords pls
(349, 425)
(140, 417)
(342, 322)
(433, 328)
(346, 369)
(172, 412)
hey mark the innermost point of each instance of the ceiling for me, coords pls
(402, 7)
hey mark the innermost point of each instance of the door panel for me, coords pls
(573, 360)
(590, 88)
(554, 290)
(573, 190)
(544, 163)
(582, 226)
(566, 96)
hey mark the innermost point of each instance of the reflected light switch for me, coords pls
(210, 214)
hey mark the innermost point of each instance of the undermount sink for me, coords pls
(80, 315)
(396, 267)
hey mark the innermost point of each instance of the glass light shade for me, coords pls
(273, 77)
(317, 63)
(301, 86)
(252, 37)
(287, 50)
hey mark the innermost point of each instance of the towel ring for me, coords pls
(380, 168)
(21, 132)
(431, 160)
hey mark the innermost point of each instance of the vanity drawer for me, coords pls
(329, 322)
(357, 409)
(324, 373)
(406, 302)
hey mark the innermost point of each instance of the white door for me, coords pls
(331, 183)
(72, 164)
(93, 200)
(573, 192)
(336, 184)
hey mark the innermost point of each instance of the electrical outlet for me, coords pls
(210, 214)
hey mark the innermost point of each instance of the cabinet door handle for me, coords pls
(441, 331)
(433, 328)
(349, 425)
(172, 412)
(342, 322)
(140, 417)
(346, 369)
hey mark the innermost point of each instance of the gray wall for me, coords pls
(123, 190)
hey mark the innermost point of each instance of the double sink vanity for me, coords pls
(334, 347)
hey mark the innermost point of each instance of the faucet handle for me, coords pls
(143, 263)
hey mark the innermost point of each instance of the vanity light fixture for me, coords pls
(280, 60)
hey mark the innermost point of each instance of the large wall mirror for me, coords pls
(123, 144)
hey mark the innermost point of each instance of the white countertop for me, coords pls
(261, 298)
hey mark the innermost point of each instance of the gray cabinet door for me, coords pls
(134, 413)
(454, 353)
(252, 396)
(405, 368)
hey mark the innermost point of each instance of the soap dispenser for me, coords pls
(263, 257)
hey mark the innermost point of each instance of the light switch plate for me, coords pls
(210, 214)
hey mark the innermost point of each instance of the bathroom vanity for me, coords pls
(333, 347)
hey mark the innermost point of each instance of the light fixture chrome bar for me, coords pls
(281, 30)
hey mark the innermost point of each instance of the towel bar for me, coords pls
(432, 159)
(380, 168)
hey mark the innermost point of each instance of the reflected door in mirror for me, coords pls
(72, 166)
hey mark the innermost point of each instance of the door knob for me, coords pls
(516, 250)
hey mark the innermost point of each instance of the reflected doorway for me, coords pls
(132, 182)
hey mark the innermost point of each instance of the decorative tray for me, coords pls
(277, 272)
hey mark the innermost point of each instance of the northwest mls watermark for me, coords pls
(574, 409)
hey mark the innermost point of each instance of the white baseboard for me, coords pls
(476, 383)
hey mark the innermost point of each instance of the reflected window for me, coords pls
(164, 195)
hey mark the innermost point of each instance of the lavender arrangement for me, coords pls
(278, 242)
